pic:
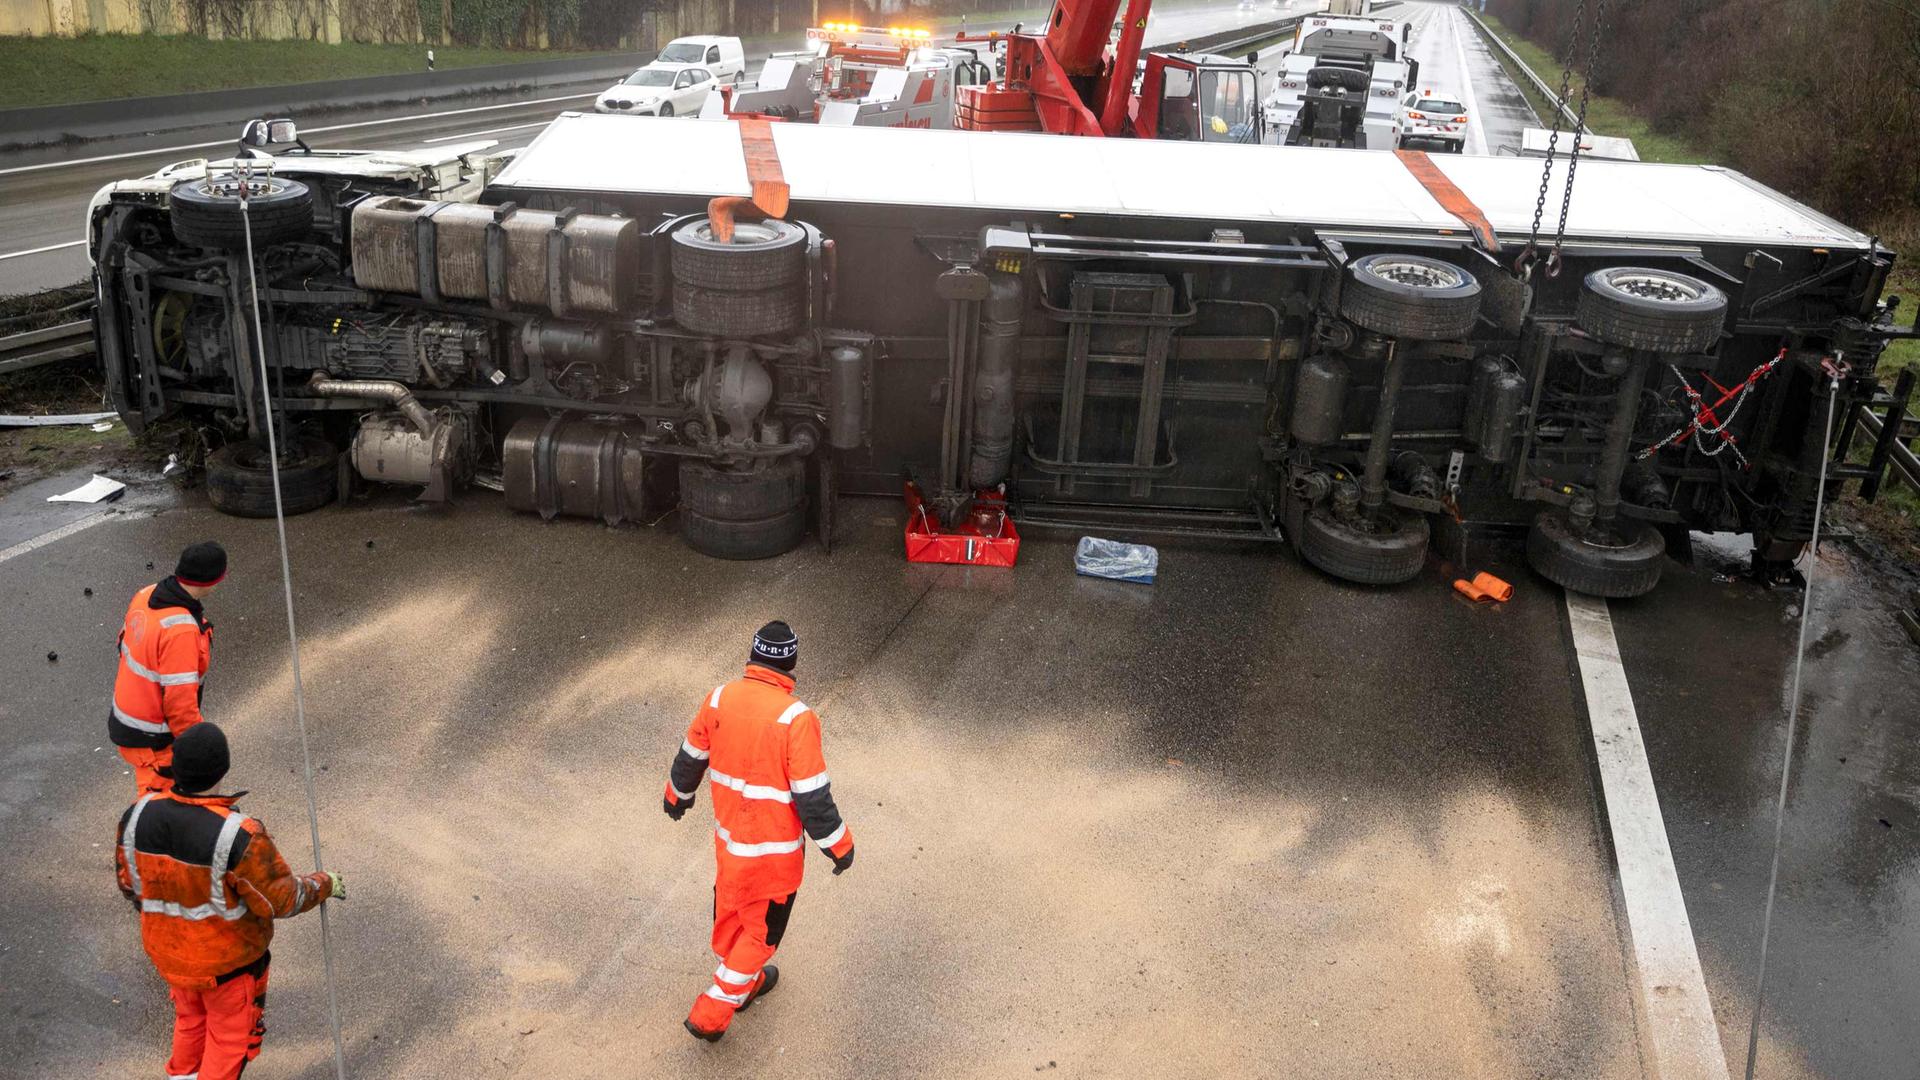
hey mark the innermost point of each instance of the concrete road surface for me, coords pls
(1247, 820)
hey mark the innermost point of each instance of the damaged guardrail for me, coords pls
(47, 345)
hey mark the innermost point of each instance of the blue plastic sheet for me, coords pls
(1113, 559)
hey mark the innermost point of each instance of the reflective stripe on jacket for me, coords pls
(760, 748)
(208, 884)
(164, 651)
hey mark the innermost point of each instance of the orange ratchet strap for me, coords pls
(1451, 199)
(769, 183)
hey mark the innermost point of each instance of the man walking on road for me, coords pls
(761, 747)
(208, 884)
(165, 645)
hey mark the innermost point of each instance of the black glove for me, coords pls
(841, 862)
(676, 811)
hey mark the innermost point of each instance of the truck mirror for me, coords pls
(255, 134)
(1253, 57)
(282, 131)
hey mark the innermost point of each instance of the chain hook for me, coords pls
(1554, 265)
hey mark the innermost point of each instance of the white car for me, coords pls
(1434, 118)
(723, 57)
(657, 90)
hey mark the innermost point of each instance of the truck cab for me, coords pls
(1197, 97)
(1341, 83)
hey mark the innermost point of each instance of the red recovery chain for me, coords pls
(1706, 420)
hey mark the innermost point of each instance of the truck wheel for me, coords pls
(1656, 310)
(1619, 561)
(743, 514)
(240, 482)
(1393, 552)
(1344, 78)
(738, 314)
(206, 212)
(1410, 296)
(762, 255)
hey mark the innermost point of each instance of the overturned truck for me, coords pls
(1330, 348)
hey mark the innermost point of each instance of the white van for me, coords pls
(722, 57)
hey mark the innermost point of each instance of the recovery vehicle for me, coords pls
(857, 75)
(1067, 81)
(1341, 83)
(1337, 350)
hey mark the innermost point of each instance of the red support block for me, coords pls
(987, 538)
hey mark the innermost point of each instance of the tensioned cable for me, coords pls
(293, 637)
(1793, 719)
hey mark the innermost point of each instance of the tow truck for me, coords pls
(1341, 83)
(857, 75)
(1340, 352)
(1068, 81)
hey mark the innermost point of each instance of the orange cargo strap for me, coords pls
(1484, 587)
(769, 183)
(1451, 198)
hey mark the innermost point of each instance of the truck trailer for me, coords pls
(1330, 348)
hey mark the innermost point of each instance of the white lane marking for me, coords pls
(309, 131)
(41, 250)
(1673, 992)
(60, 533)
(1476, 132)
(489, 131)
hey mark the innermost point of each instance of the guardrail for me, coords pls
(1228, 41)
(1890, 448)
(1547, 93)
(19, 352)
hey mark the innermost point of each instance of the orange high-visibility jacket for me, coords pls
(208, 883)
(164, 651)
(760, 746)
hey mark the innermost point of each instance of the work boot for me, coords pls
(769, 978)
(709, 1036)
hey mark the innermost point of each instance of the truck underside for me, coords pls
(1350, 390)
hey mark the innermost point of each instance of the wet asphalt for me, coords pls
(1245, 820)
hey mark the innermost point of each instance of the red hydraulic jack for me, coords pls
(986, 538)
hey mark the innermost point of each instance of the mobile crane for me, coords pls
(1066, 81)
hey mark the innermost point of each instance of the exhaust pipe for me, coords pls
(385, 390)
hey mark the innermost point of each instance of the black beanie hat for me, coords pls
(202, 565)
(775, 647)
(199, 758)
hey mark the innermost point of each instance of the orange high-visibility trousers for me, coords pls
(744, 939)
(146, 768)
(216, 1032)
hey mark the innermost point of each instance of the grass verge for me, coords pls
(97, 67)
(1605, 116)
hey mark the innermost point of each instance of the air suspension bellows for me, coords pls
(993, 381)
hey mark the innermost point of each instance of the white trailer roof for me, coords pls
(1224, 182)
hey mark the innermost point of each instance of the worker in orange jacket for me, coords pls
(760, 746)
(208, 884)
(165, 646)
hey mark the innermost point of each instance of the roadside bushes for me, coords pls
(1820, 100)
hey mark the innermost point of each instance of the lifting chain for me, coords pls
(1524, 263)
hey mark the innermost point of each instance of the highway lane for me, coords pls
(44, 193)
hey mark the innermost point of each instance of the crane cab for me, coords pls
(1197, 97)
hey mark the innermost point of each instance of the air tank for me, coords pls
(993, 418)
(1320, 400)
(1485, 368)
(846, 397)
(1506, 396)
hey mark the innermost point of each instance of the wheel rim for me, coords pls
(229, 187)
(1418, 275)
(745, 234)
(1657, 287)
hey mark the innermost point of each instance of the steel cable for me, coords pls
(1793, 719)
(293, 637)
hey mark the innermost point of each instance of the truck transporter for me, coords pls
(1330, 347)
